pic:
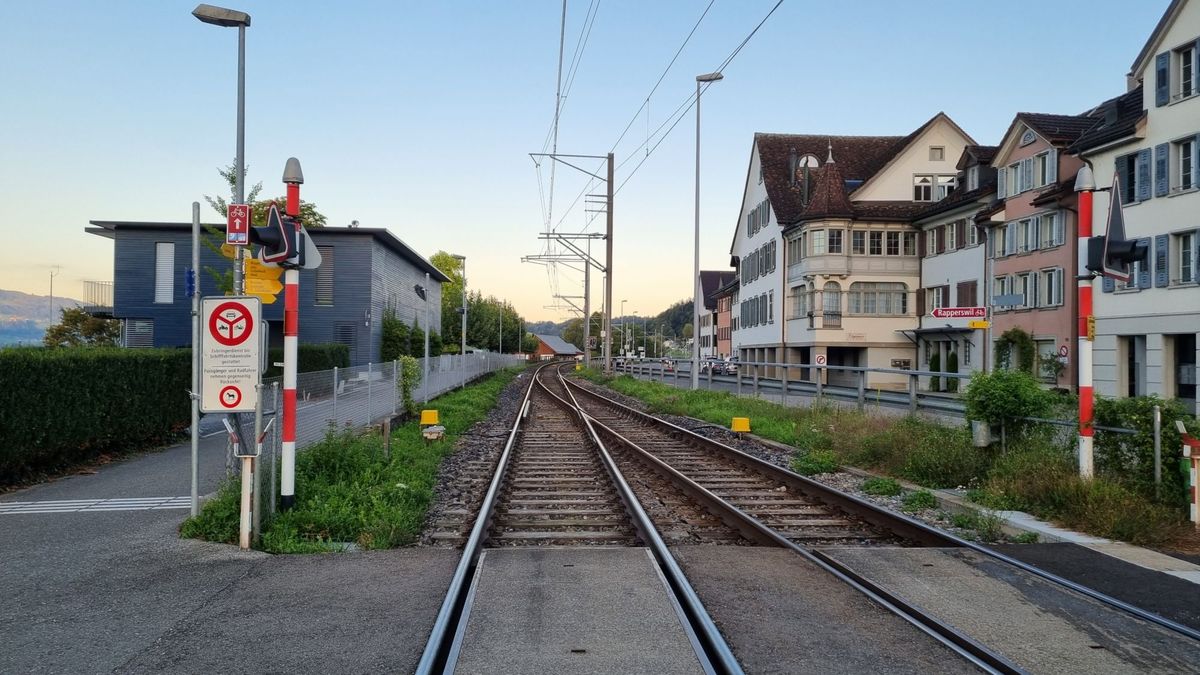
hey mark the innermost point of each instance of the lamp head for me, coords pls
(710, 77)
(1084, 180)
(292, 172)
(219, 16)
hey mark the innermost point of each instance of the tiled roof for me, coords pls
(990, 210)
(982, 154)
(1053, 193)
(1057, 128)
(728, 287)
(888, 210)
(710, 281)
(1116, 118)
(559, 345)
(829, 198)
(961, 197)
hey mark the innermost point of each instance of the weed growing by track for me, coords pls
(346, 492)
(1036, 474)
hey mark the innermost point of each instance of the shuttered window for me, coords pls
(139, 333)
(324, 285)
(164, 272)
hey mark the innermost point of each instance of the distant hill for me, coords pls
(25, 317)
(546, 327)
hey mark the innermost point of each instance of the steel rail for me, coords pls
(900, 524)
(716, 649)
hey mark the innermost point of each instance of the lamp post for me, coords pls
(624, 333)
(1085, 185)
(696, 299)
(425, 364)
(230, 18)
(53, 273)
(462, 354)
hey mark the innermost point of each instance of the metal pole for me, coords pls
(462, 354)
(1084, 285)
(368, 392)
(587, 307)
(274, 440)
(239, 161)
(396, 375)
(425, 380)
(335, 395)
(696, 300)
(195, 393)
(291, 337)
(608, 270)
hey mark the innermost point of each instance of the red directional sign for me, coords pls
(960, 313)
(231, 323)
(231, 396)
(237, 228)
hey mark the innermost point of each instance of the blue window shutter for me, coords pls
(1161, 278)
(1143, 278)
(1143, 174)
(1162, 79)
(1161, 181)
(1000, 178)
(1107, 285)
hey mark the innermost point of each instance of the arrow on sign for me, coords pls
(265, 298)
(263, 286)
(255, 269)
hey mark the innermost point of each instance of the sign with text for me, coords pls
(960, 312)
(230, 354)
(237, 226)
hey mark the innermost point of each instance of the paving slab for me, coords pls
(572, 610)
(783, 614)
(1032, 622)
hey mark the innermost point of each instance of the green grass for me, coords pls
(346, 492)
(1033, 475)
(881, 487)
(919, 500)
(1026, 538)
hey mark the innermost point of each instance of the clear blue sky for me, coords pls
(418, 116)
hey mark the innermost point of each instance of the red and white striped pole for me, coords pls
(293, 177)
(1085, 184)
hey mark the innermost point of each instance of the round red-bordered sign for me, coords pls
(230, 324)
(820, 359)
(230, 396)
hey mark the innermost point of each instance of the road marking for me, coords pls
(79, 505)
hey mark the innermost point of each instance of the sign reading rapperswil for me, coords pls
(230, 356)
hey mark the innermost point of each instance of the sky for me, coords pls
(420, 116)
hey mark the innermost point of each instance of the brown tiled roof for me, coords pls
(888, 210)
(1116, 118)
(727, 287)
(989, 210)
(1053, 193)
(829, 198)
(858, 158)
(1057, 128)
(959, 197)
(710, 281)
(983, 154)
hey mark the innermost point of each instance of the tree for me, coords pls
(77, 328)
(451, 291)
(214, 237)
(573, 333)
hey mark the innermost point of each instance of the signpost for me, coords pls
(960, 312)
(229, 354)
(237, 226)
(979, 324)
(263, 281)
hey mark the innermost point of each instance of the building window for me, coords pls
(1010, 239)
(1133, 176)
(1045, 170)
(910, 243)
(889, 298)
(966, 352)
(876, 240)
(967, 292)
(1027, 231)
(1186, 58)
(831, 304)
(922, 188)
(937, 153)
(951, 236)
(164, 272)
(973, 178)
(937, 297)
(324, 285)
(1001, 286)
(1185, 160)
(818, 242)
(1185, 257)
(1049, 227)
(946, 185)
(835, 241)
(893, 243)
(931, 241)
(795, 249)
(972, 234)
(138, 333)
(799, 302)
(858, 242)
(1026, 287)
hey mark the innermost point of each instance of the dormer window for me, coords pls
(973, 178)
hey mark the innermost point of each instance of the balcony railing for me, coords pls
(98, 297)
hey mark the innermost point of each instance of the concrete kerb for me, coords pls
(1016, 523)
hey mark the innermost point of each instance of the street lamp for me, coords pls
(624, 333)
(230, 18)
(462, 355)
(707, 78)
(425, 365)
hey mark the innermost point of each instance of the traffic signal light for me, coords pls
(1112, 254)
(278, 240)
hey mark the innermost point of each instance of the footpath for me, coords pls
(96, 579)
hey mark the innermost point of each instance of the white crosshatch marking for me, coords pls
(79, 505)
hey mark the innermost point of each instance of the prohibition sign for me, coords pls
(231, 396)
(820, 359)
(230, 325)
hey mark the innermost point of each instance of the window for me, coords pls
(831, 303)
(795, 249)
(858, 243)
(890, 298)
(972, 234)
(951, 236)
(945, 185)
(799, 302)
(1001, 286)
(931, 242)
(164, 272)
(818, 242)
(769, 298)
(1027, 231)
(1045, 168)
(1186, 60)
(1027, 289)
(1013, 179)
(893, 243)
(876, 240)
(1051, 291)
(922, 188)
(1049, 230)
(1010, 238)
(973, 178)
(1047, 354)
(324, 285)
(1135, 274)
(835, 241)
(967, 292)
(937, 153)
(1133, 176)
(937, 297)
(138, 333)
(1185, 156)
(966, 352)
(910, 243)
(1185, 256)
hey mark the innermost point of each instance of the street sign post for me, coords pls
(978, 324)
(960, 312)
(262, 280)
(237, 226)
(230, 347)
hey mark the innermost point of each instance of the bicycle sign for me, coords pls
(230, 354)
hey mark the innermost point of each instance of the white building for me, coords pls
(1150, 139)
(953, 268)
(825, 249)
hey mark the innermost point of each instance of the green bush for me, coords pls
(919, 501)
(1129, 458)
(394, 337)
(409, 372)
(814, 462)
(935, 365)
(62, 406)
(923, 452)
(881, 487)
(952, 367)
(1002, 396)
(311, 358)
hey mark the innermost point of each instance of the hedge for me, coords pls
(311, 358)
(62, 406)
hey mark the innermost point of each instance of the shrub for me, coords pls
(919, 501)
(1026, 538)
(881, 487)
(1015, 338)
(952, 367)
(394, 337)
(935, 365)
(813, 462)
(409, 372)
(311, 358)
(63, 406)
(1002, 396)
(1129, 458)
